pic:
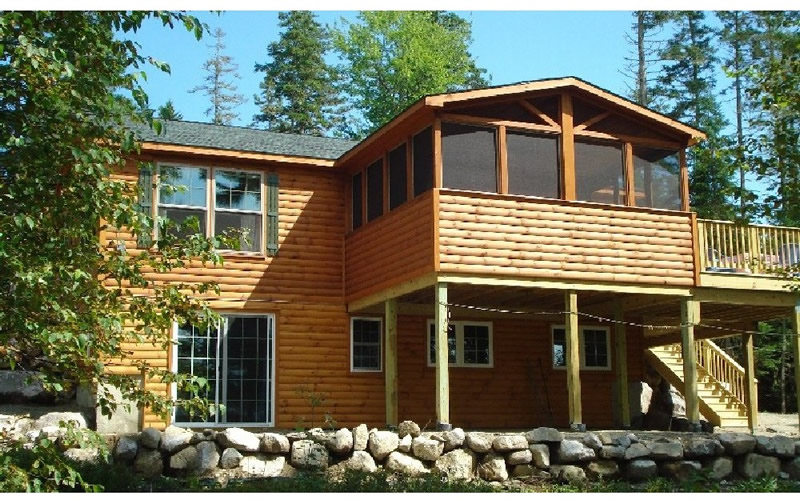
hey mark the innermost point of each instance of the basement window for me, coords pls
(594, 345)
(365, 344)
(469, 344)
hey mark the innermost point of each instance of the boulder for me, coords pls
(493, 468)
(623, 440)
(231, 458)
(86, 455)
(665, 449)
(263, 466)
(150, 438)
(528, 471)
(736, 443)
(404, 464)
(427, 449)
(126, 449)
(574, 451)
(605, 438)
(640, 394)
(272, 442)
(296, 436)
(640, 470)
(702, 447)
(360, 438)
(382, 443)
(602, 469)
(636, 450)
(612, 452)
(719, 468)
(592, 440)
(568, 473)
(308, 454)
(53, 420)
(404, 445)
(240, 439)
(17, 386)
(792, 468)
(681, 470)
(778, 446)
(148, 463)
(407, 427)
(544, 435)
(479, 442)
(208, 456)
(502, 444)
(753, 466)
(540, 455)
(458, 464)
(519, 457)
(453, 439)
(359, 461)
(341, 442)
(186, 460)
(174, 439)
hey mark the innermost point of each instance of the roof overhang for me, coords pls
(185, 150)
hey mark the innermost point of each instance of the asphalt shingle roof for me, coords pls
(245, 139)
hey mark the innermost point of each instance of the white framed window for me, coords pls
(365, 344)
(595, 342)
(237, 359)
(237, 202)
(469, 344)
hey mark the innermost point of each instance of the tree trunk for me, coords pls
(642, 71)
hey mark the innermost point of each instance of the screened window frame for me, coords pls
(582, 344)
(210, 203)
(354, 369)
(555, 136)
(605, 142)
(497, 168)
(381, 161)
(408, 168)
(411, 178)
(221, 366)
(459, 329)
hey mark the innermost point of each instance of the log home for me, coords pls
(496, 258)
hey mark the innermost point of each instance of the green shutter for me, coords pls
(146, 203)
(272, 214)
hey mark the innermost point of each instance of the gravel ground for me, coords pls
(775, 423)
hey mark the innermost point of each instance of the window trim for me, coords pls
(582, 344)
(212, 203)
(222, 353)
(459, 327)
(354, 369)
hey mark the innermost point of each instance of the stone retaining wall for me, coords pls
(543, 452)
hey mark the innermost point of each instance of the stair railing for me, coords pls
(717, 363)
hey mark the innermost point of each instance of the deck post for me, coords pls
(750, 391)
(796, 345)
(573, 361)
(621, 347)
(442, 361)
(390, 371)
(690, 315)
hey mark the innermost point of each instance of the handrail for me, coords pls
(728, 247)
(722, 367)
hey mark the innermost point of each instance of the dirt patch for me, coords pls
(776, 423)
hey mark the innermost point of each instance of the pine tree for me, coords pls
(646, 27)
(299, 92)
(221, 91)
(168, 112)
(686, 91)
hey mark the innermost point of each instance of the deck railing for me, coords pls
(728, 247)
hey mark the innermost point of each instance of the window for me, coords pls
(398, 177)
(469, 344)
(365, 344)
(469, 157)
(656, 177)
(237, 202)
(357, 201)
(594, 344)
(599, 173)
(375, 190)
(237, 359)
(423, 161)
(532, 164)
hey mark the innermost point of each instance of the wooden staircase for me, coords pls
(721, 381)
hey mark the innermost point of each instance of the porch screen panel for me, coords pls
(599, 173)
(657, 178)
(398, 177)
(357, 200)
(375, 190)
(532, 164)
(469, 157)
(423, 161)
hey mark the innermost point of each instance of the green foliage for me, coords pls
(299, 91)
(391, 59)
(218, 83)
(167, 112)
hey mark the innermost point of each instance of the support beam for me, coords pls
(796, 345)
(442, 366)
(690, 315)
(567, 146)
(621, 347)
(751, 392)
(573, 361)
(390, 371)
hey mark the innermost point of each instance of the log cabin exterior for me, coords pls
(536, 236)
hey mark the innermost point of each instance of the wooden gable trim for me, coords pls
(156, 148)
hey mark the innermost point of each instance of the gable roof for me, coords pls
(237, 138)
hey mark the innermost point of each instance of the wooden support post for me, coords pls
(438, 175)
(750, 391)
(567, 145)
(621, 347)
(690, 315)
(502, 161)
(573, 361)
(442, 361)
(796, 341)
(390, 371)
(630, 188)
(684, 175)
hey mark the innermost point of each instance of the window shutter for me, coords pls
(272, 214)
(146, 203)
